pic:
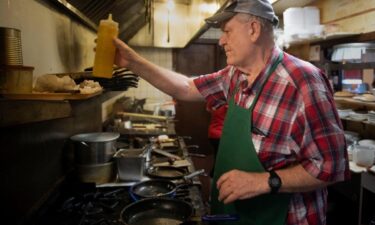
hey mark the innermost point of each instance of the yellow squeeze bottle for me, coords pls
(105, 49)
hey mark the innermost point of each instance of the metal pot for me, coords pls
(94, 148)
(96, 173)
(130, 164)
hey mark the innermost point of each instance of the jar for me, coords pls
(363, 155)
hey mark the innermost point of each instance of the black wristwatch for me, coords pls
(274, 182)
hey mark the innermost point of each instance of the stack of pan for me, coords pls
(121, 80)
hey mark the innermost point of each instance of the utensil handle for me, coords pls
(221, 217)
(196, 173)
(84, 144)
(197, 155)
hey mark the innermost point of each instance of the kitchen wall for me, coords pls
(51, 41)
(162, 57)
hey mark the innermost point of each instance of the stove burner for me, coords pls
(100, 206)
(92, 205)
(85, 207)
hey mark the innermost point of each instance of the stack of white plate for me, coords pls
(371, 117)
(358, 116)
(351, 136)
(344, 113)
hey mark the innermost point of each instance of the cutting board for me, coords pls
(50, 96)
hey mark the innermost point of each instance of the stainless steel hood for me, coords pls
(156, 23)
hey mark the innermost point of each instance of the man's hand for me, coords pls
(236, 184)
(124, 54)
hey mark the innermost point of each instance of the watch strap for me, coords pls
(274, 182)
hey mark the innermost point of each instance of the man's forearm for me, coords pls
(296, 179)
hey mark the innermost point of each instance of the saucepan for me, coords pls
(166, 211)
(94, 148)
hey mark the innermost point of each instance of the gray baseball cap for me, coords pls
(261, 8)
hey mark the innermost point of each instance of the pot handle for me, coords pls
(84, 144)
(197, 155)
(220, 217)
(212, 218)
(191, 146)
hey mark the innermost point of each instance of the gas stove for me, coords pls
(91, 204)
(85, 204)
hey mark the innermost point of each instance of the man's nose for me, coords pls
(222, 40)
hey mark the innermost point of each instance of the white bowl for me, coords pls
(367, 142)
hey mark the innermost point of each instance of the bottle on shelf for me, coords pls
(336, 80)
(105, 49)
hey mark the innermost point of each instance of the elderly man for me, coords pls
(282, 142)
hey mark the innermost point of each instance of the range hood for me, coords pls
(153, 23)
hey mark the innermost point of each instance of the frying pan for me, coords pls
(153, 188)
(165, 211)
(170, 172)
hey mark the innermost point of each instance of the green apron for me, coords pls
(236, 151)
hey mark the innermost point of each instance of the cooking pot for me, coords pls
(96, 173)
(94, 148)
(166, 211)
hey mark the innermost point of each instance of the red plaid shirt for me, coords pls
(294, 121)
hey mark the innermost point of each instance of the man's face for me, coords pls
(236, 41)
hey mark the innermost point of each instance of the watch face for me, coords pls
(275, 182)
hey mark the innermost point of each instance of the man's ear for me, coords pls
(254, 30)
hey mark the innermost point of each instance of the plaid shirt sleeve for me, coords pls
(214, 87)
(317, 129)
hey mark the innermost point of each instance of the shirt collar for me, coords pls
(273, 59)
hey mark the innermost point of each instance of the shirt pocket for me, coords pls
(265, 139)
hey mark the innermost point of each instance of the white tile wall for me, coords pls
(52, 42)
(161, 57)
(212, 33)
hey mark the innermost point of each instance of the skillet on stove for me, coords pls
(166, 211)
(171, 172)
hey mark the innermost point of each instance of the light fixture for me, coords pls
(170, 7)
